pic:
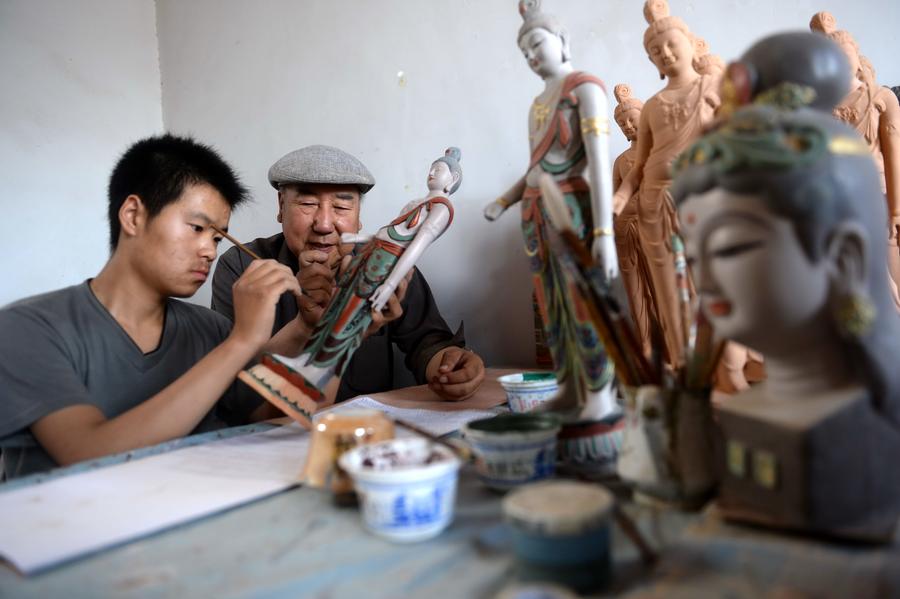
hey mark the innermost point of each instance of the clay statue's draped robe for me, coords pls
(676, 118)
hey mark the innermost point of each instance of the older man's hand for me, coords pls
(392, 310)
(317, 280)
(455, 373)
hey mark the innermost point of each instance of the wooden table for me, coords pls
(298, 543)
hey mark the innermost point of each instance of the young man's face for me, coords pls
(177, 246)
(313, 217)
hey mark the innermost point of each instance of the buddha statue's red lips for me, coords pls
(719, 308)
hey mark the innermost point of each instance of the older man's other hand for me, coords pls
(392, 310)
(317, 280)
(455, 373)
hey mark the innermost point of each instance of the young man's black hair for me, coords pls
(157, 169)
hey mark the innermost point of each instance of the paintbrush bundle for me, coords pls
(588, 279)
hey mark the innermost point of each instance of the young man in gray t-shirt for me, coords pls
(115, 363)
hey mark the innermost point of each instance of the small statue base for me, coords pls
(589, 448)
(807, 465)
(281, 393)
(294, 377)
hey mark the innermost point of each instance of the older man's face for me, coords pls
(313, 217)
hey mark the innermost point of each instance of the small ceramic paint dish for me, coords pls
(590, 448)
(560, 533)
(406, 487)
(513, 449)
(527, 390)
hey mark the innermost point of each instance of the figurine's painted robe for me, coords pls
(341, 328)
(676, 118)
(557, 148)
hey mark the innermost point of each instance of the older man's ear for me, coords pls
(280, 205)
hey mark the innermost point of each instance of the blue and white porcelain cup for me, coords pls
(513, 449)
(406, 487)
(525, 391)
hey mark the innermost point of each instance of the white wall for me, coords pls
(260, 79)
(80, 81)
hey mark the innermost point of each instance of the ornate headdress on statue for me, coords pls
(656, 12)
(451, 158)
(625, 100)
(825, 23)
(706, 63)
(534, 17)
(765, 119)
(817, 75)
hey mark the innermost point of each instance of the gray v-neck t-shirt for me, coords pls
(64, 348)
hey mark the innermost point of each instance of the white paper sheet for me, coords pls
(45, 524)
(433, 421)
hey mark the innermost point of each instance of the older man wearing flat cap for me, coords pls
(319, 194)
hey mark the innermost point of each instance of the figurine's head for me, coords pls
(816, 64)
(445, 173)
(627, 112)
(706, 63)
(825, 23)
(669, 43)
(542, 39)
(784, 225)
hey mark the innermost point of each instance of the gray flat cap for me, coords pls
(321, 164)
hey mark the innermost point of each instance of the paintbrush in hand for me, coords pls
(236, 243)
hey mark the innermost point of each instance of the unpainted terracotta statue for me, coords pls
(379, 265)
(568, 131)
(875, 113)
(783, 218)
(670, 120)
(738, 367)
(632, 264)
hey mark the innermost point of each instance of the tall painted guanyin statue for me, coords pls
(874, 112)
(568, 131)
(782, 206)
(378, 266)
(632, 264)
(670, 121)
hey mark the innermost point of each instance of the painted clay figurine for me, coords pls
(783, 218)
(568, 131)
(875, 113)
(379, 265)
(670, 120)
